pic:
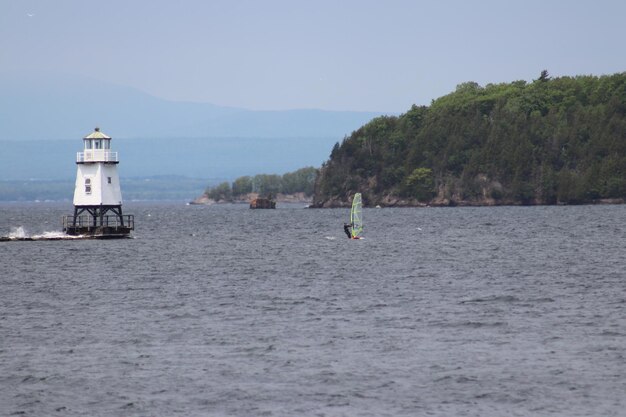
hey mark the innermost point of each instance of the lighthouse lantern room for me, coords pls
(97, 193)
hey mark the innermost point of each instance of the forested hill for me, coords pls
(550, 141)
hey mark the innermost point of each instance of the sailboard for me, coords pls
(356, 217)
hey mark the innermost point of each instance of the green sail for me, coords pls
(356, 216)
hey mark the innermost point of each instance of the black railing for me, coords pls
(111, 221)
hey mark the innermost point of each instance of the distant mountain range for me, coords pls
(225, 158)
(44, 106)
(167, 149)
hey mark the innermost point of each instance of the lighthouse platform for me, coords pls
(100, 227)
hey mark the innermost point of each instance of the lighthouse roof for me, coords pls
(96, 134)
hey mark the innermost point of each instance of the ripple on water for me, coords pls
(227, 311)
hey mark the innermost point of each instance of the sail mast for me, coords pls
(356, 216)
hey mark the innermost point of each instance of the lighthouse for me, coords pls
(97, 192)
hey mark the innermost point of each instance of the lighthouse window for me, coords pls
(96, 144)
(109, 180)
(87, 186)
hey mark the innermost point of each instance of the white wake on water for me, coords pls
(19, 233)
(54, 235)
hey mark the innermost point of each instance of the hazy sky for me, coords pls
(324, 54)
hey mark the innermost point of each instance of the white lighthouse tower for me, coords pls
(97, 193)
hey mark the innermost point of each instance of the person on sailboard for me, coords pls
(346, 228)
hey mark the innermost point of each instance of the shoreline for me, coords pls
(280, 198)
(444, 204)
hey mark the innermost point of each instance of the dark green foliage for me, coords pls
(220, 192)
(554, 140)
(266, 185)
(242, 185)
(300, 181)
(544, 76)
(419, 184)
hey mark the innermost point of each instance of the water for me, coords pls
(226, 311)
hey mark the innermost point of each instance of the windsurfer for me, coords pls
(346, 228)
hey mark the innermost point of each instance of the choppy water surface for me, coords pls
(226, 311)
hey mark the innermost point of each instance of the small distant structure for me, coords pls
(262, 203)
(97, 193)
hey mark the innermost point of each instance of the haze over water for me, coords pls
(223, 310)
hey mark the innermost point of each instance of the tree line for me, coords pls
(549, 141)
(266, 185)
